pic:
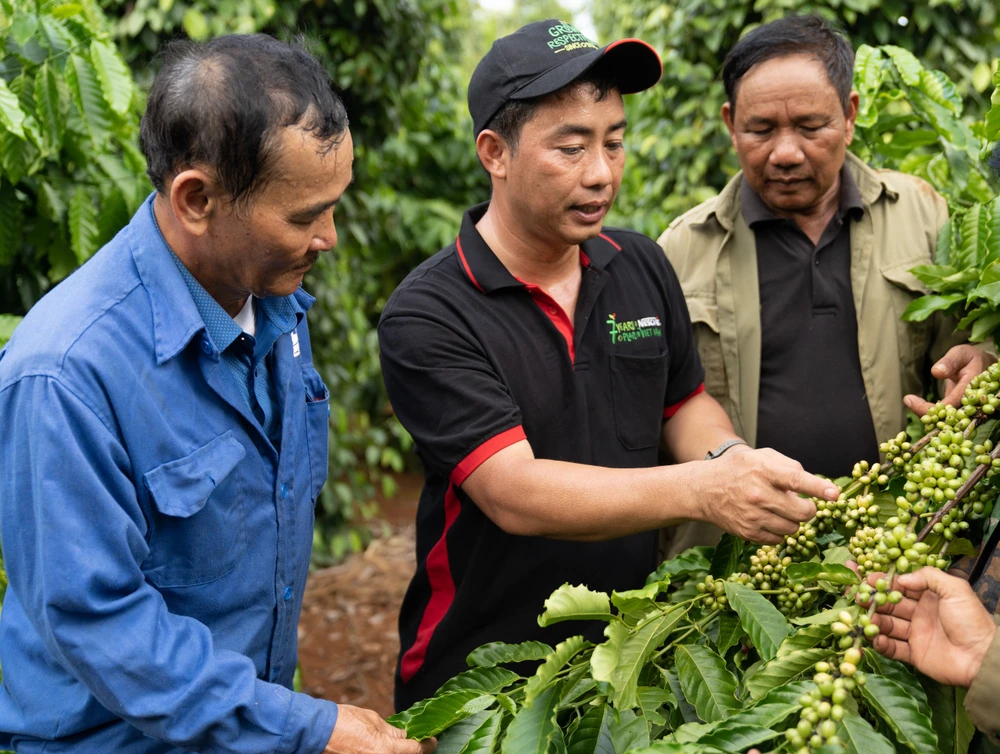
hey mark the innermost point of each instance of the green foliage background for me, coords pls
(72, 174)
(678, 147)
(72, 82)
(72, 77)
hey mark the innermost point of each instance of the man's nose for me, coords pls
(787, 150)
(599, 170)
(326, 235)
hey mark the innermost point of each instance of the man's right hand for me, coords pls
(362, 731)
(754, 494)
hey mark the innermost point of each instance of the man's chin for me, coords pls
(580, 232)
(791, 201)
(287, 285)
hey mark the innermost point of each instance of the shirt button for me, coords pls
(206, 346)
(288, 593)
(284, 491)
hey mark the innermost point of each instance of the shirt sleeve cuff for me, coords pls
(309, 725)
(489, 448)
(983, 700)
(673, 408)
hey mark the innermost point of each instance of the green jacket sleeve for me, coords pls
(983, 700)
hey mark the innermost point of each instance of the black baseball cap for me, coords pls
(545, 56)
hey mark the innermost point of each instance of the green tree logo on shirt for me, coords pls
(611, 320)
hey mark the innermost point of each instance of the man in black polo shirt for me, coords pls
(535, 361)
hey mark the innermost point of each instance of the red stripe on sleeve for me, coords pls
(491, 447)
(671, 410)
(442, 592)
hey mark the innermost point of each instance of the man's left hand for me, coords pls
(956, 368)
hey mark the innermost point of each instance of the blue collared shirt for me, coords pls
(157, 543)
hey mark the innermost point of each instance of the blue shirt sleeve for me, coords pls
(74, 541)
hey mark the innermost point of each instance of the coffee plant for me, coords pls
(911, 118)
(742, 646)
(71, 173)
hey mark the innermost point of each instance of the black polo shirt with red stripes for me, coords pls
(475, 360)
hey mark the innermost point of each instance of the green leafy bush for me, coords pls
(741, 646)
(911, 118)
(679, 149)
(7, 324)
(71, 173)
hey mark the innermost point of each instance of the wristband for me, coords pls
(713, 454)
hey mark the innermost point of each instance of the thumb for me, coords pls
(935, 580)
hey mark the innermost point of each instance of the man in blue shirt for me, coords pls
(165, 437)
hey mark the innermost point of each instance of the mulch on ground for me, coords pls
(348, 636)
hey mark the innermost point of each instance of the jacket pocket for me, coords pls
(317, 428)
(902, 288)
(197, 532)
(638, 388)
(705, 325)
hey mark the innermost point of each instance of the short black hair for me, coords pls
(793, 35)
(221, 104)
(512, 117)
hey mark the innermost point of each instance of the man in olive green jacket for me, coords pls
(796, 275)
(713, 252)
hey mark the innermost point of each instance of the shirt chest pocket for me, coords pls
(639, 386)
(317, 429)
(197, 527)
(901, 288)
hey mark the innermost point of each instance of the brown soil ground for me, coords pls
(348, 638)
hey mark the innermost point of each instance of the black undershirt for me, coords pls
(813, 405)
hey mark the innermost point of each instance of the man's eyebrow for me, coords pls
(760, 120)
(572, 129)
(318, 209)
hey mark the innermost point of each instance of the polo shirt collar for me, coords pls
(485, 270)
(178, 313)
(756, 211)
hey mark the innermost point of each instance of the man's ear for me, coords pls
(195, 200)
(851, 116)
(494, 153)
(727, 118)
